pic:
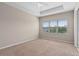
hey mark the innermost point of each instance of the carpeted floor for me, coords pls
(41, 47)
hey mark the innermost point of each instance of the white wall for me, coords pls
(16, 26)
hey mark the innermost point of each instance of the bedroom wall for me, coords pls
(16, 26)
(63, 37)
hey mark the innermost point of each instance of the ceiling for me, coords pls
(43, 8)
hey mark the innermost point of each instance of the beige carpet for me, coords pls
(41, 48)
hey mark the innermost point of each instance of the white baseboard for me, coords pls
(15, 44)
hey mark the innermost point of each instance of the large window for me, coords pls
(55, 26)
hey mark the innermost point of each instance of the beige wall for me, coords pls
(64, 37)
(16, 26)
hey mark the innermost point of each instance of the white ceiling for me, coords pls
(43, 8)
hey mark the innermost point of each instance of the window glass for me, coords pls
(53, 26)
(62, 23)
(45, 26)
(53, 23)
(62, 26)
